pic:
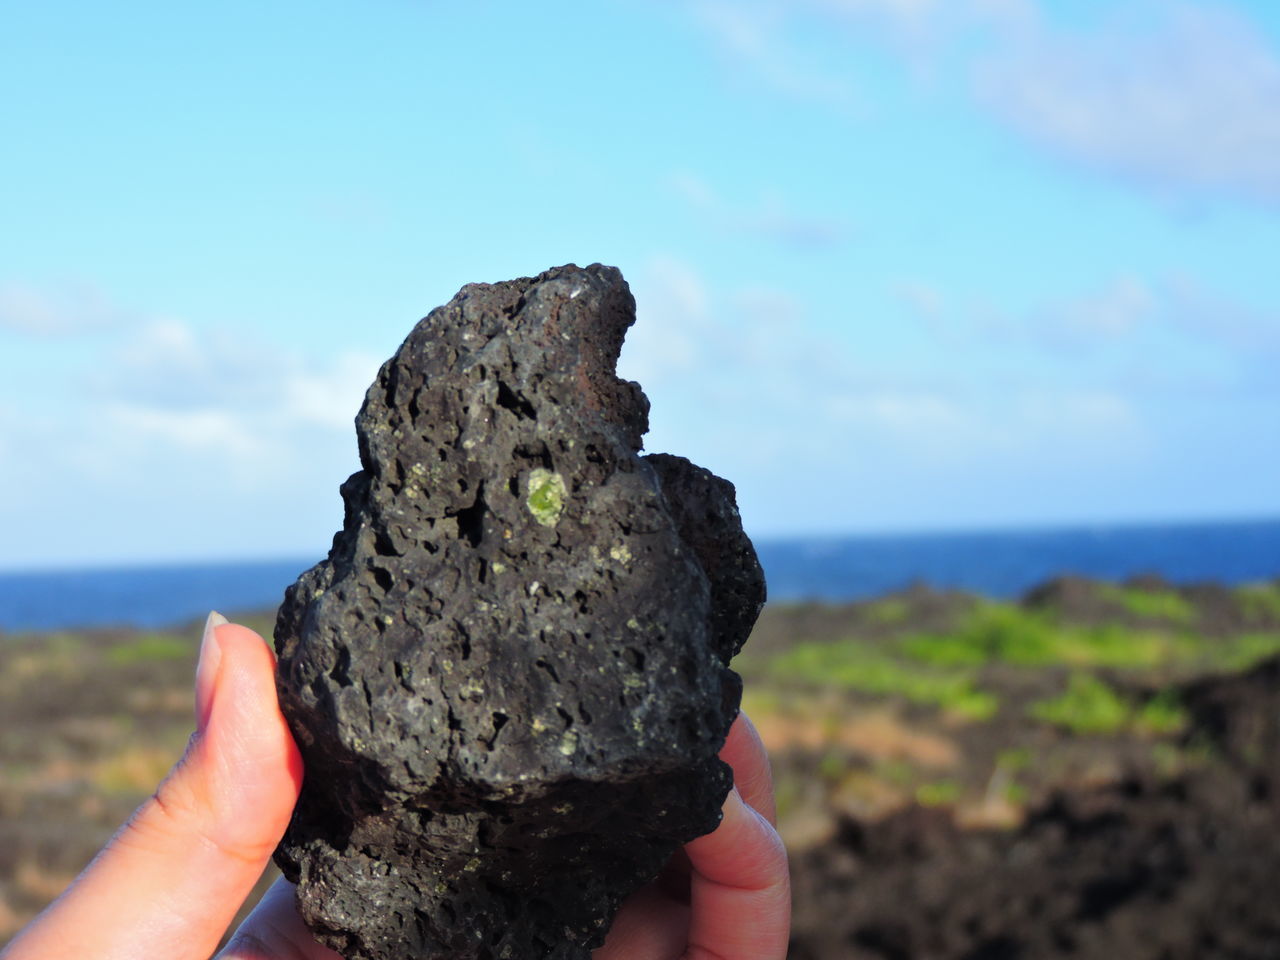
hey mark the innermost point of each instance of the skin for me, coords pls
(170, 881)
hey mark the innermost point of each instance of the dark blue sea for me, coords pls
(1003, 564)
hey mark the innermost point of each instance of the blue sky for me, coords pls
(900, 264)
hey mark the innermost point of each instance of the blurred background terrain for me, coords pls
(973, 300)
(1092, 770)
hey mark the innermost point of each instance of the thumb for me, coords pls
(170, 881)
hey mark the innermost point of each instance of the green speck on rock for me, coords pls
(546, 496)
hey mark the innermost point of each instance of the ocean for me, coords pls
(999, 564)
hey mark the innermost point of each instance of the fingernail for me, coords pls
(207, 667)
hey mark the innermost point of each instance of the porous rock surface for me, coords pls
(509, 679)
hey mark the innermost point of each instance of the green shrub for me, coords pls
(1245, 650)
(1016, 794)
(149, 647)
(1162, 714)
(940, 793)
(1259, 602)
(1015, 759)
(889, 611)
(851, 665)
(1088, 706)
(1152, 604)
(1009, 634)
(832, 766)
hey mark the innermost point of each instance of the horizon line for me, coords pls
(909, 533)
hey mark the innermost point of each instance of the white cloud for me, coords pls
(169, 365)
(1116, 310)
(183, 441)
(1180, 96)
(916, 27)
(1115, 313)
(759, 389)
(211, 431)
(329, 396)
(770, 216)
(1208, 314)
(898, 410)
(168, 399)
(750, 35)
(65, 310)
(924, 300)
(960, 426)
(1145, 318)
(1151, 340)
(672, 330)
(757, 37)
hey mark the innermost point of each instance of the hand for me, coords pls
(171, 880)
(728, 896)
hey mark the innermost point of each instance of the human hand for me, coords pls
(727, 895)
(170, 881)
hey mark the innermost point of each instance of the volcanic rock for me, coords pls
(509, 679)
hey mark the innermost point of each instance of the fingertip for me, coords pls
(247, 753)
(207, 667)
(237, 640)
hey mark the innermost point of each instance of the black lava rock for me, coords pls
(509, 680)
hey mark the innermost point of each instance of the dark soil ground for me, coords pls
(1117, 795)
(1093, 772)
(90, 721)
(1146, 868)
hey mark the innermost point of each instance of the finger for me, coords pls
(744, 751)
(170, 881)
(649, 926)
(740, 891)
(274, 931)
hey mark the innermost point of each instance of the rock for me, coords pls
(509, 680)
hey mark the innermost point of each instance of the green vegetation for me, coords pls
(899, 773)
(1016, 794)
(149, 647)
(1161, 715)
(1259, 602)
(1014, 759)
(946, 670)
(1089, 706)
(1152, 604)
(832, 766)
(1008, 634)
(1002, 633)
(940, 793)
(888, 612)
(852, 665)
(1242, 652)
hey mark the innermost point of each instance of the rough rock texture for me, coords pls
(509, 679)
(1148, 868)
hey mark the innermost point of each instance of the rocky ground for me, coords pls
(1094, 772)
(1091, 772)
(90, 721)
